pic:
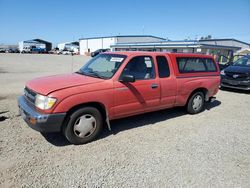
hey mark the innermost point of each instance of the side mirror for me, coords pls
(127, 78)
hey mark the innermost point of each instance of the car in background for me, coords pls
(33, 49)
(95, 53)
(12, 50)
(2, 50)
(9, 50)
(66, 52)
(26, 49)
(225, 61)
(237, 75)
(38, 50)
(54, 51)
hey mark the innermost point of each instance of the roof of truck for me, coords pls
(129, 53)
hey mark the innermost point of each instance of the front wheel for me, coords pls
(196, 103)
(83, 126)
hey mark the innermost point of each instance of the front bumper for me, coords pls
(235, 84)
(38, 121)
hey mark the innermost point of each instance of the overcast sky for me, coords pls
(60, 21)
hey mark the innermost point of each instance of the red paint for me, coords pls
(126, 99)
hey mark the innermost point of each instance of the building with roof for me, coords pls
(88, 45)
(72, 46)
(226, 42)
(216, 47)
(35, 43)
(68, 45)
(8, 46)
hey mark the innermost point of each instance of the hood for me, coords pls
(46, 85)
(237, 69)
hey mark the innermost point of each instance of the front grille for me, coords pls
(30, 95)
(236, 76)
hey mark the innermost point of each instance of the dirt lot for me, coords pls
(162, 149)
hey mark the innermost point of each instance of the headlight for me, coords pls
(222, 72)
(44, 102)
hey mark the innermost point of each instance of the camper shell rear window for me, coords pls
(195, 64)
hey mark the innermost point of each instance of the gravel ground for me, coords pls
(162, 149)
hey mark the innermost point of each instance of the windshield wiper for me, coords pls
(92, 73)
(95, 74)
(79, 72)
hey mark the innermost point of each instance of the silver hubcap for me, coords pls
(197, 102)
(85, 126)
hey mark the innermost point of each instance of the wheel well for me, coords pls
(203, 90)
(96, 105)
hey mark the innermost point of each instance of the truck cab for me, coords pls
(115, 85)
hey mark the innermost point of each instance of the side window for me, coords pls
(190, 64)
(210, 65)
(141, 67)
(163, 67)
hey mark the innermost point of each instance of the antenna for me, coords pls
(72, 61)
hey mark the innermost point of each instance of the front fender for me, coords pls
(104, 97)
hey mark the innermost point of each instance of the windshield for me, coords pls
(103, 65)
(244, 62)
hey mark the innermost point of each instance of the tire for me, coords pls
(222, 88)
(196, 103)
(84, 125)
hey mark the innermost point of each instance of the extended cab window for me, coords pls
(141, 67)
(163, 67)
(192, 64)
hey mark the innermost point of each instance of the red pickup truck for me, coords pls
(115, 85)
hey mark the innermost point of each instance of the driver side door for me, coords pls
(143, 95)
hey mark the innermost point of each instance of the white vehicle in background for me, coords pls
(66, 52)
(54, 51)
(26, 49)
(2, 50)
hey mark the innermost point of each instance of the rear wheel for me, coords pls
(196, 103)
(83, 126)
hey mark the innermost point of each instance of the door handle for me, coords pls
(153, 86)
